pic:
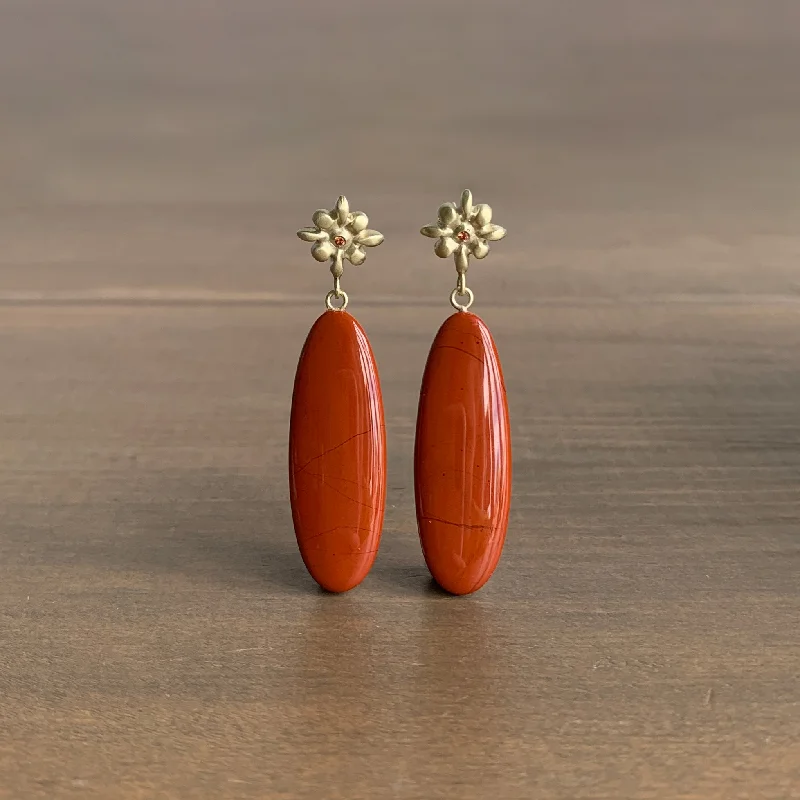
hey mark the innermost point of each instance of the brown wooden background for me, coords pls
(159, 637)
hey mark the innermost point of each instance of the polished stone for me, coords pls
(337, 453)
(462, 462)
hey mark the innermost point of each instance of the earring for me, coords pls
(462, 456)
(337, 435)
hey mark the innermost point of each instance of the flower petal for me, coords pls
(322, 251)
(323, 220)
(355, 255)
(368, 238)
(466, 203)
(492, 233)
(434, 231)
(448, 214)
(483, 215)
(445, 246)
(480, 249)
(462, 258)
(359, 222)
(342, 210)
(312, 235)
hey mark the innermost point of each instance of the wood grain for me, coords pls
(159, 636)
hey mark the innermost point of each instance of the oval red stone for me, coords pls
(337, 453)
(462, 457)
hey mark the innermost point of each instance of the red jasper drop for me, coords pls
(462, 458)
(337, 453)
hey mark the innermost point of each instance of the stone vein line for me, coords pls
(324, 482)
(460, 350)
(322, 476)
(327, 452)
(337, 528)
(458, 524)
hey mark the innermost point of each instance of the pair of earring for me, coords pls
(337, 436)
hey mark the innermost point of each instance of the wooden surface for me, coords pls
(159, 637)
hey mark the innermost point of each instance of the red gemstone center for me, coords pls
(463, 236)
(339, 241)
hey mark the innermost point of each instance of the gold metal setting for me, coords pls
(339, 235)
(463, 231)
